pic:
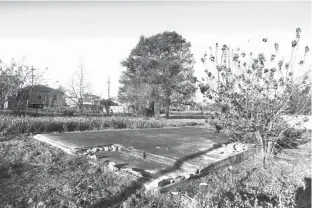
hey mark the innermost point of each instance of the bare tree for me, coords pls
(78, 88)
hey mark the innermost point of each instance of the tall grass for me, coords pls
(12, 125)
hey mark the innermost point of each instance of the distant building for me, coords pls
(119, 108)
(36, 97)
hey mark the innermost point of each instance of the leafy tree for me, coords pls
(159, 69)
(300, 101)
(107, 103)
(251, 96)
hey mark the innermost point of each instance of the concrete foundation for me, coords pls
(167, 157)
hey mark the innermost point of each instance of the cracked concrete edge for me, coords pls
(156, 158)
(53, 143)
(231, 160)
(166, 160)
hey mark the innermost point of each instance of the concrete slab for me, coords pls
(165, 155)
(169, 142)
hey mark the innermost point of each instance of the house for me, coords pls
(37, 97)
(91, 103)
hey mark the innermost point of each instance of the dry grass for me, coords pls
(33, 174)
(10, 125)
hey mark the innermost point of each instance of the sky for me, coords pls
(60, 35)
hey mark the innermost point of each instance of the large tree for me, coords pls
(158, 70)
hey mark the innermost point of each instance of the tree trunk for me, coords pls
(81, 109)
(150, 110)
(262, 142)
(107, 109)
(270, 147)
(167, 109)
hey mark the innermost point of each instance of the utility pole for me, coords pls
(32, 76)
(108, 83)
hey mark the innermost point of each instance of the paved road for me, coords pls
(169, 142)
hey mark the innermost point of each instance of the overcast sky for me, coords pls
(101, 34)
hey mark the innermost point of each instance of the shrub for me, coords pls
(251, 96)
(68, 112)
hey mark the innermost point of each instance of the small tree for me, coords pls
(107, 103)
(253, 97)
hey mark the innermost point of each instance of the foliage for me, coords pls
(252, 96)
(10, 125)
(68, 112)
(300, 102)
(160, 70)
(107, 104)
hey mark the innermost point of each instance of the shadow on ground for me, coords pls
(137, 185)
(303, 195)
(293, 138)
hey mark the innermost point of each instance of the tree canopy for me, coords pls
(158, 70)
(107, 103)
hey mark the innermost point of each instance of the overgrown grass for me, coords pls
(11, 125)
(34, 174)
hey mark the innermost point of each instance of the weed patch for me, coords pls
(11, 125)
(33, 174)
